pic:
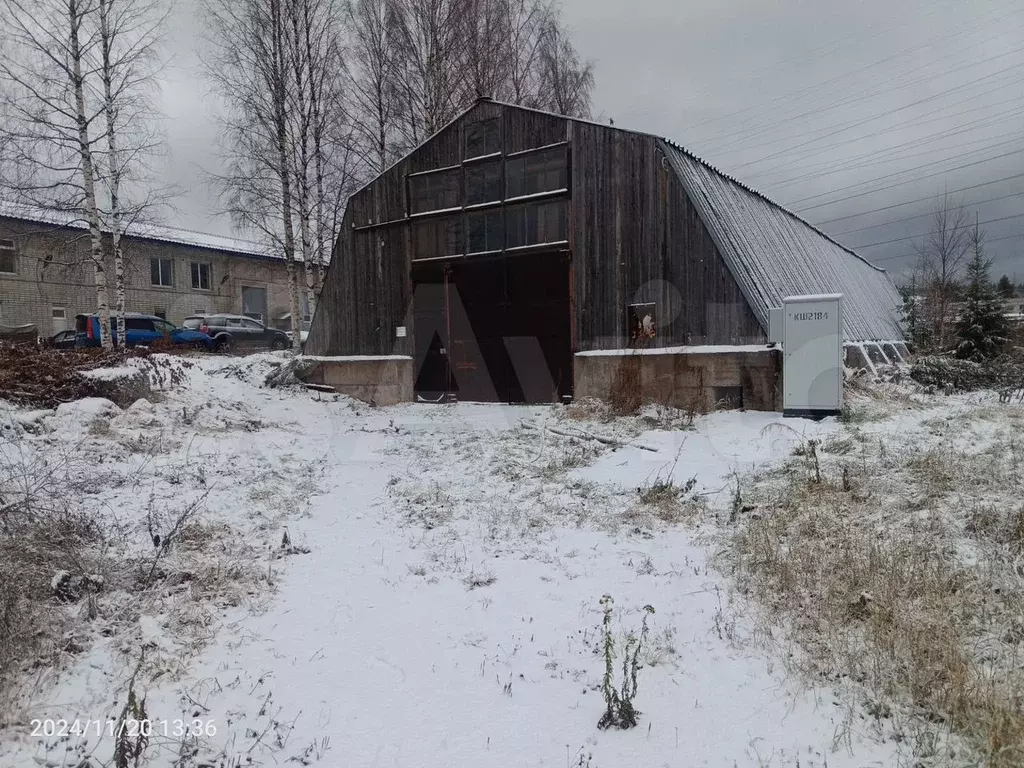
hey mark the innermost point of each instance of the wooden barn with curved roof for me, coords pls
(521, 256)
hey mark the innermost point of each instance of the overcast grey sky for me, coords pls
(835, 108)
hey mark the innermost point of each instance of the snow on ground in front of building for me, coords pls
(446, 612)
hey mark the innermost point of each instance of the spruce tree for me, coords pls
(982, 329)
(1005, 288)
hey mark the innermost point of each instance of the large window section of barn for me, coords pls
(483, 138)
(536, 224)
(483, 183)
(438, 238)
(486, 231)
(435, 191)
(536, 173)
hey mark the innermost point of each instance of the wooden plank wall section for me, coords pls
(367, 289)
(636, 238)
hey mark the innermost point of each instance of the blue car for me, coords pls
(139, 329)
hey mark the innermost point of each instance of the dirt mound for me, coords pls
(45, 378)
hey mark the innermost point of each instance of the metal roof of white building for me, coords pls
(158, 232)
(773, 253)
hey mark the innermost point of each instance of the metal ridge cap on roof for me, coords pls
(678, 147)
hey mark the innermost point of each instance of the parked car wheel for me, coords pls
(225, 344)
(279, 344)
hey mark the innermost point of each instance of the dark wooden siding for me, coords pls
(636, 238)
(367, 290)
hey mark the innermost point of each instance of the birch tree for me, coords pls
(252, 69)
(429, 47)
(129, 33)
(941, 254)
(525, 21)
(49, 125)
(566, 82)
(372, 67)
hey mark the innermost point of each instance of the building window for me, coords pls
(486, 232)
(436, 237)
(8, 262)
(483, 183)
(59, 317)
(435, 191)
(536, 223)
(483, 138)
(535, 173)
(161, 272)
(641, 322)
(161, 313)
(200, 276)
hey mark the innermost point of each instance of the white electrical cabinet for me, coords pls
(812, 355)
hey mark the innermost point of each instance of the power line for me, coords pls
(858, 123)
(735, 137)
(905, 171)
(942, 115)
(910, 181)
(914, 253)
(918, 216)
(922, 200)
(828, 168)
(793, 94)
(924, 234)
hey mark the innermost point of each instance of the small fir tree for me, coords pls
(1005, 288)
(982, 329)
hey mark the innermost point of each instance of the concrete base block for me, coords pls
(699, 382)
(374, 380)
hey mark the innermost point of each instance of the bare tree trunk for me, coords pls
(302, 66)
(114, 164)
(941, 254)
(279, 97)
(88, 173)
(373, 83)
(565, 81)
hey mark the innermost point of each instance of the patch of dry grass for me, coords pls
(902, 569)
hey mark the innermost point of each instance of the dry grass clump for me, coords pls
(885, 573)
(665, 500)
(51, 557)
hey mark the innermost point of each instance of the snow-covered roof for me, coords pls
(161, 233)
(773, 253)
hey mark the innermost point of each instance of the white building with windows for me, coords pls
(47, 275)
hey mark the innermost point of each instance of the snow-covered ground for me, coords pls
(437, 600)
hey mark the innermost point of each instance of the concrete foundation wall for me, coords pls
(376, 380)
(700, 381)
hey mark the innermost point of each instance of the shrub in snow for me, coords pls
(619, 710)
(949, 374)
(68, 587)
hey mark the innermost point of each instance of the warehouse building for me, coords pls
(46, 273)
(521, 256)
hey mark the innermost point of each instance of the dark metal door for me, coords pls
(494, 329)
(430, 331)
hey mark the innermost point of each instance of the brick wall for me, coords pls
(54, 271)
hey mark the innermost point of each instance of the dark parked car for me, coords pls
(230, 332)
(139, 329)
(62, 340)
